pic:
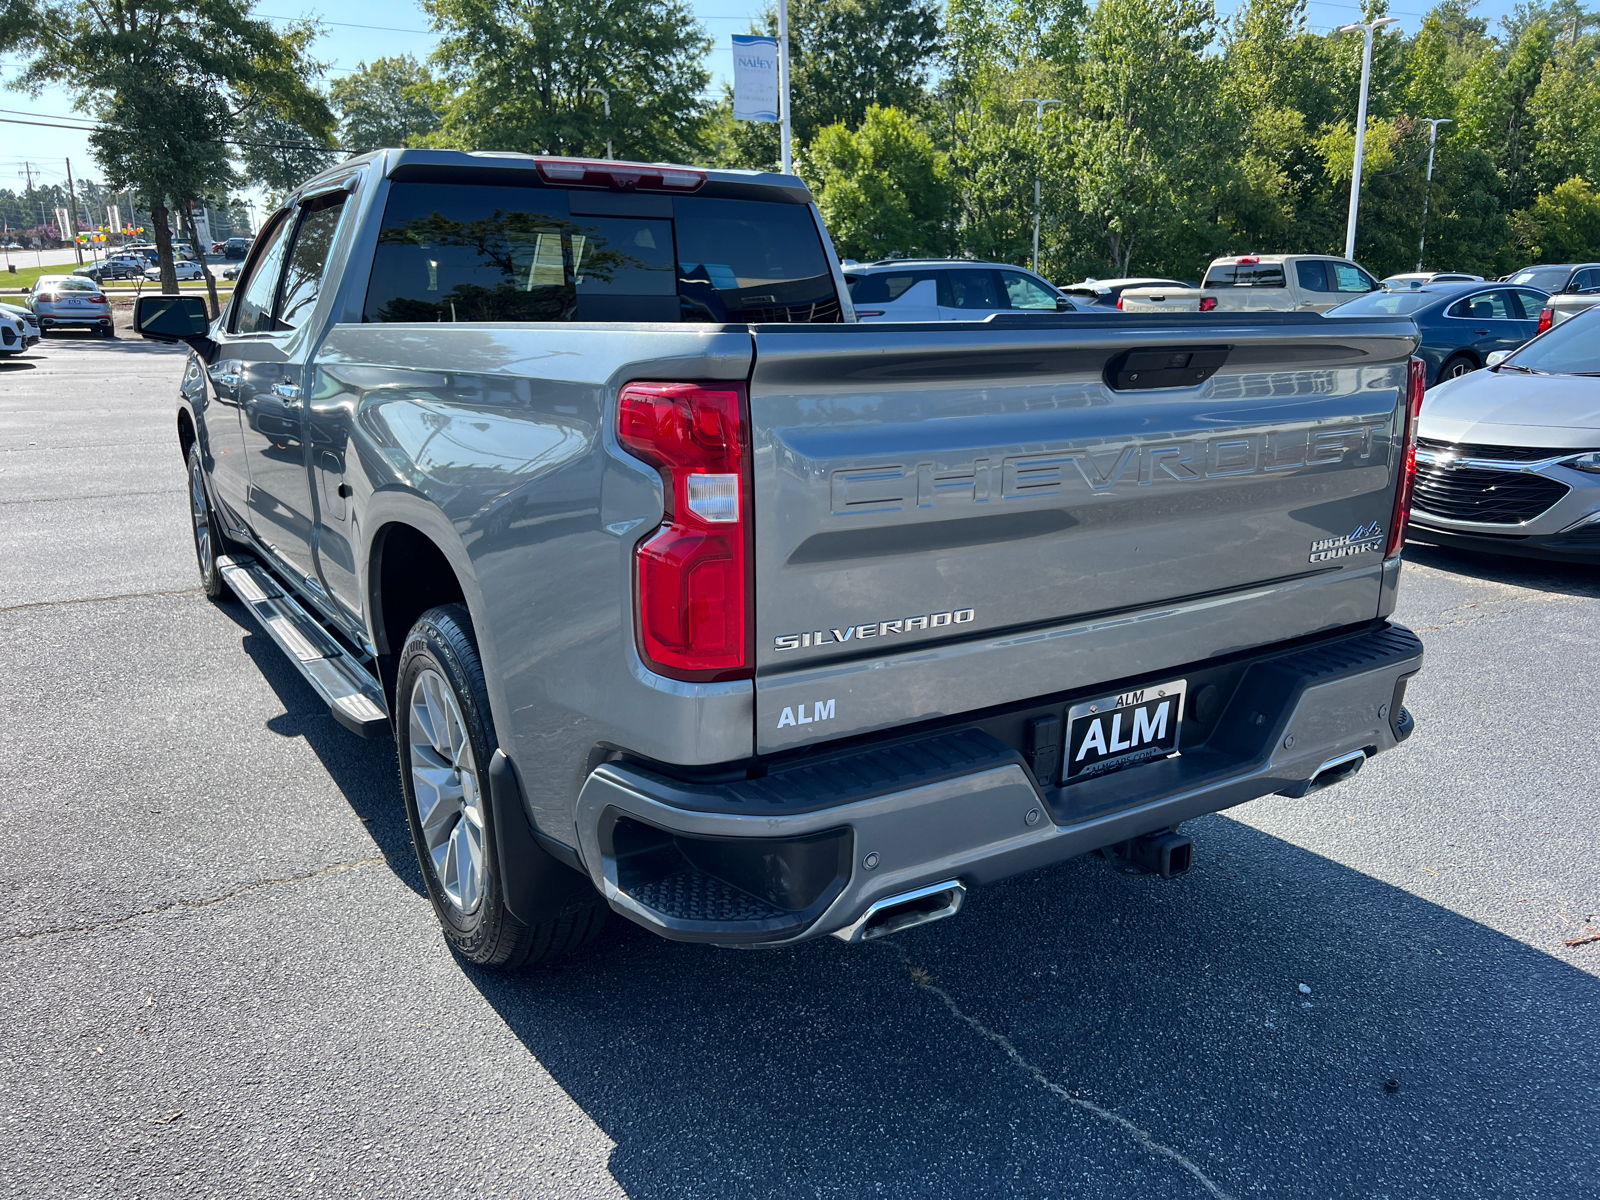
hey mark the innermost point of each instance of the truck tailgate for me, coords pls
(955, 517)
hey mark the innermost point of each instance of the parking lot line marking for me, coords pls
(922, 980)
(111, 922)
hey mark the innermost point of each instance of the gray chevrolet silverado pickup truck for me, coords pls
(687, 596)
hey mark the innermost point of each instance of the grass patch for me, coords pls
(28, 276)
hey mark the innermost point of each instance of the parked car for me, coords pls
(941, 289)
(1558, 278)
(1412, 280)
(236, 247)
(13, 334)
(113, 268)
(1508, 459)
(231, 271)
(1461, 323)
(185, 269)
(30, 323)
(1260, 283)
(217, 247)
(588, 574)
(1104, 293)
(66, 301)
(1566, 306)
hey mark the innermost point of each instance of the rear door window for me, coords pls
(1245, 275)
(308, 260)
(1311, 275)
(490, 252)
(1486, 306)
(973, 289)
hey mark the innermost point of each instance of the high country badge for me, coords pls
(1363, 539)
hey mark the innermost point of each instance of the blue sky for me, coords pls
(359, 30)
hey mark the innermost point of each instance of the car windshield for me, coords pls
(70, 285)
(1570, 348)
(1546, 279)
(1389, 304)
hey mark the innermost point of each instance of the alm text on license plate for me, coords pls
(1139, 725)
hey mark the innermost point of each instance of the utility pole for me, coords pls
(785, 126)
(1433, 124)
(1370, 27)
(72, 216)
(605, 98)
(1039, 105)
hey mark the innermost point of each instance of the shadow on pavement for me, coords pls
(14, 364)
(828, 1070)
(1567, 578)
(363, 769)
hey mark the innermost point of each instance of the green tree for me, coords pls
(884, 190)
(1493, 103)
(1565, 115)
(278, 154)
(389, 102)
(520, 76)
(1563, 225)
(168, 80)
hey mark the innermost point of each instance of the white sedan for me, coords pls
(187, 270)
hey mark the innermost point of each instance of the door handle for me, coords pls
(1481, 332)
(229, 380)
(286, 391)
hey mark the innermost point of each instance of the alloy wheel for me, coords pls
(444, 779)
(201, 514)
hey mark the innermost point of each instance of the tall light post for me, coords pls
(785, 124)
(1039, 105)
(1433, 124)
(1370, 28)
(605, 98)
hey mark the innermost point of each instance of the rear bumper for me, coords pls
(806, 851)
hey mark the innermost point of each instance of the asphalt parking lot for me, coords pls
(221, 977)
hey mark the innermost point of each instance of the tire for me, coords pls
(445, 738)
(208, 539)
(1456, 367)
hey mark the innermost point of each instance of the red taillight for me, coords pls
(691, 575)
(1416, 385)
(1547, 318)
(620, 176)
(1207, 303)
(1119, 301)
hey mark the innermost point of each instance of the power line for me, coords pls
(348, 25)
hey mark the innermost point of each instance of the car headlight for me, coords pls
(1589, 462)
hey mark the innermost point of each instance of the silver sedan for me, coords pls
(1508, 459)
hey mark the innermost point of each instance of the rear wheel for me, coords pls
(208, 542)
(1456, 367)
(446, 741)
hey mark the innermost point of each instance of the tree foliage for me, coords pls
(884, 189)
(388, 102)
(519, 75)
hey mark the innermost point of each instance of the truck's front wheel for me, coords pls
(446, 742)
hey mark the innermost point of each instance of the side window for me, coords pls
(1486, 306)
(1586, 280)
(1350, 278)
(302, 280)
(1532, 304)
(974, 289)
(885, 287)
(252, 311)
(1025, 292)
(1312, 275)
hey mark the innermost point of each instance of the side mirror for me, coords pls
(1065, 305)
(171, 318)
(1496, 358)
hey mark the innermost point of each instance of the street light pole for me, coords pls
(605, 98)
(1433, 124)
(1039, 105)
(786, 126)
(1370, 27)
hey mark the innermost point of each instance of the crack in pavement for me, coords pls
(919, 977)
(168, 491)
(207, 903)
(102, 599)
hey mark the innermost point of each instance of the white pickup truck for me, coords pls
(1260, 283)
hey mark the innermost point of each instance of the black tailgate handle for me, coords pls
(1164, 367)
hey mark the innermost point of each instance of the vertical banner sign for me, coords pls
(114, 219)
(63, 225)
(202, 228)
(755, 78)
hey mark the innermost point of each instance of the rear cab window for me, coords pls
(1311, 275)
(1263, 275)
(461, 251)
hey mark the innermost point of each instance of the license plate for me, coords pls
(1137, 726)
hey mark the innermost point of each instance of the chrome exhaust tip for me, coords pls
(894, 913)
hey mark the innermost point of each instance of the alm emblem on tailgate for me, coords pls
(1363, 539)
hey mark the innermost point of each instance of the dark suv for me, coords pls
(1559, 278)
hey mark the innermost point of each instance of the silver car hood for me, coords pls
(1496, 408)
